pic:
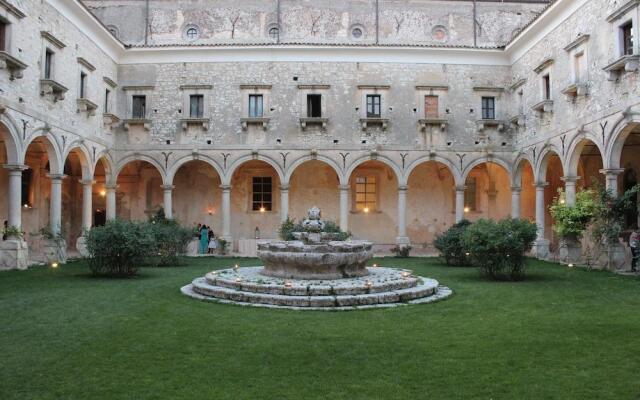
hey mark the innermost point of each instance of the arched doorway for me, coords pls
(630, 161)
(314, 183)
(139, 192)
(487, 192)
(430, 204)
(525, 180)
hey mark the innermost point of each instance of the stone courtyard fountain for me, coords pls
(317, 270)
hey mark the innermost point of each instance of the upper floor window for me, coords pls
(48, 63)
(4, 27)
(373, 106)
(139, 106)
(366, 193)
(578, 67)
(626, 35)
(196, 106)
(107, 94)
(192, 33)
(262, 197)
(488, 108)
(255, 106)
(431, 106)
(314, 105)
(83, 85)
(274, 33)
(546, 87)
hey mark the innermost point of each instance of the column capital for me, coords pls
(570, 179)
(56, 177)
(225, 188)
(284, 188)
(85, 182)
(612, 171)
(516, 189)
(167, 187)
(541, 185)
(461, 188)
(402, 188)
(344, 187)
(15, 167)
(111, 186)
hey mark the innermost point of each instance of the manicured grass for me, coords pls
(562, 334)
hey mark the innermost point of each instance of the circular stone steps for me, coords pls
(383, 287)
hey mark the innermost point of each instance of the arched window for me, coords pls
(192, 33)
(274, 33)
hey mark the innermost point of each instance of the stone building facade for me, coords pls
(396, 118)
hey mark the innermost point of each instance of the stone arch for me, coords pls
(383, 159)
(455, 172)
(226, 179)
(482, 160)
(324, 159)
(520, 162)
(575, 148)
(107, 164)
(56, 161)
(9, 133)
(618, 137)
(171, 172)
(138, 157)
(540, 170)
(83, 155)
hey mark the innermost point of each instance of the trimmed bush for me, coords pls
(450, 246)
(498, 248)
(401, 251)
(289, 226)
(118, 248)
(170, 240)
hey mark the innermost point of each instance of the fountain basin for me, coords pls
(325, 260)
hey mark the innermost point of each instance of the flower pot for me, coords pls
(613, 257)
(570, 250)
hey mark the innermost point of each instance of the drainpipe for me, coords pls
(475, 40)
(146, 23)
(377, 22)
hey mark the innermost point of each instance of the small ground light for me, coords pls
(54, 265)
(238, 279)
(288, 284)
(375, 265)
(466, 254)
(406, 274)
(235, 267)
(570, 265)
(368, 284)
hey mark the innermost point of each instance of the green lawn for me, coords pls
(561, 334)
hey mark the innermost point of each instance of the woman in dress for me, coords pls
(204, 239)
(213, 242)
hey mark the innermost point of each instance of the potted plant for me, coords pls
(222, 246)
(608, 225)
(570, 223)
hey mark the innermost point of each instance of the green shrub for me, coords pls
(572, 221)
(289, 226)
(498, 248)
(449, 243)
(118, 248)
(170, 240)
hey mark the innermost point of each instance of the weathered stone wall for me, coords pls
(249, 21)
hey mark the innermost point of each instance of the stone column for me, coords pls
(541, 245)
(611, 179)
(226, 212)
(14, 206)
(570, 189)
(168, 201)
(515, 201)
(344, 207)
(402, 239)
(87, 203)
(111, 202)
(56, 203)
(460, 203)
(284, 202)
(14, 253)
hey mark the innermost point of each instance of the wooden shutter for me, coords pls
(431, 106)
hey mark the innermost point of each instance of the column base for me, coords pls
(81, 246)
(55, 251)
(541, 249)
(403, 241)
(14, 254)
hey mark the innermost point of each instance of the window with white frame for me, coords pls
(488, 107)
(374, 106)
(262, 193)
(256, 103)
